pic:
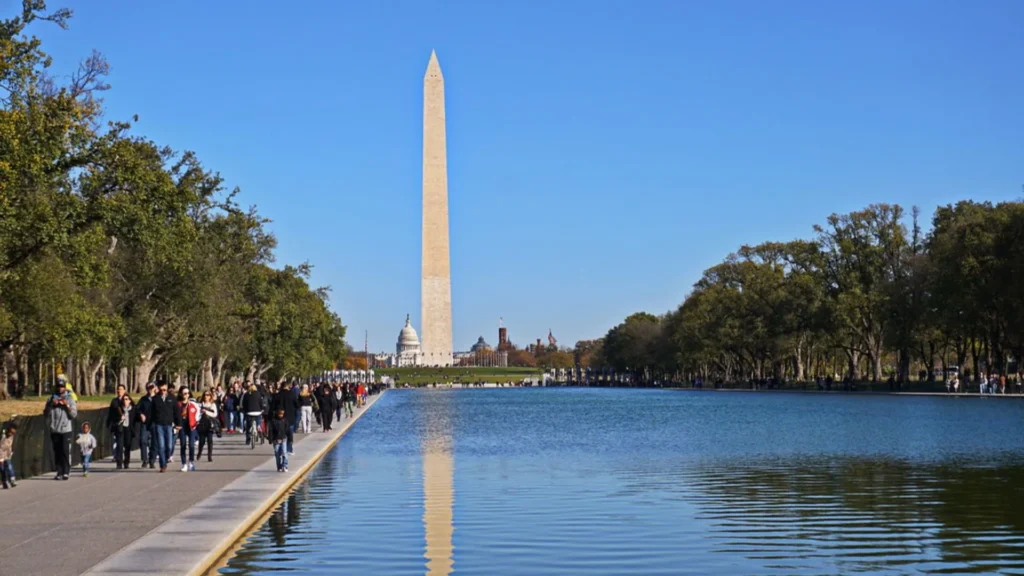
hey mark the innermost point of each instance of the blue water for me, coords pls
(600, 481)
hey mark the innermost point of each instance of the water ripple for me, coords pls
(562, 482)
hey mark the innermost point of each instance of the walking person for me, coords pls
(305, 409)
(147, 436)
(349, 397)
(230, 405)
(278, 431)
(207, 425)
(338, 404)
(60, 410)
(285, 401)
(187, 422)
(6, 454)
(112, 420)
(163, 425)
(297, 423)
(86, 444)
(8, 465)
(123, 432)
(326, 399)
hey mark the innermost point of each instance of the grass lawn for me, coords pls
(32, 405)
(422, 375)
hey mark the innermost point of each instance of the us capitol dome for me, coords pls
(408, 346)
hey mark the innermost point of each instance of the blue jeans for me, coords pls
(146, 441)
(86, 458)
(10, 468)
(234, 420)
(280, 455)
(188, 437)
(164, 442)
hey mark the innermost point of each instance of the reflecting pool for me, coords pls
(598, 481)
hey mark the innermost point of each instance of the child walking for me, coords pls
(86, 443)
(278, 436)
(6, 454)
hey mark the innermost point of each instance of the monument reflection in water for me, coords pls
(438, 492)
(565, 482)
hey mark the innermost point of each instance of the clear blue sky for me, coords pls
(601, 154)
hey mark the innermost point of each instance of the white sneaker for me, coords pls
(184, 468)
(191, 467)
(170, 459)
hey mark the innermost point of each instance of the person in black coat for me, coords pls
(286, 401)
(325, 399)
(114, 416)
(147, 434)
(252, 408)
(164, 418)
(278, 430)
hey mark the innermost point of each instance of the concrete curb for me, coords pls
(196, 539)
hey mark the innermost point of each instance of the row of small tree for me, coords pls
(121, 259)
(869, 295)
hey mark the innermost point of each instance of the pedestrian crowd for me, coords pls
(989, 384)
(166, 416)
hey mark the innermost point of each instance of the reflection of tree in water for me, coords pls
(870, 511)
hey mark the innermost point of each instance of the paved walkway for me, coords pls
(56, 528)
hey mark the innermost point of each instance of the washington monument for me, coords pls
(436, 280)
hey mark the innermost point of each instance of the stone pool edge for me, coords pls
(208, 530)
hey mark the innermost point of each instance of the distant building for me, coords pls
(481, 355)
(407, 349)
(536, 348)
(481, 346)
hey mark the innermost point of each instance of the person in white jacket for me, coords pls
(86, 444)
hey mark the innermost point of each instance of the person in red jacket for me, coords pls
(186, 424)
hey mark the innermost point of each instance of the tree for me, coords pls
(117, 251)
(632, 345)
(862, 288)
(587, 353)
(863, 256)
(521, 358)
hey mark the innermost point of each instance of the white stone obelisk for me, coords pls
(436, 280)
